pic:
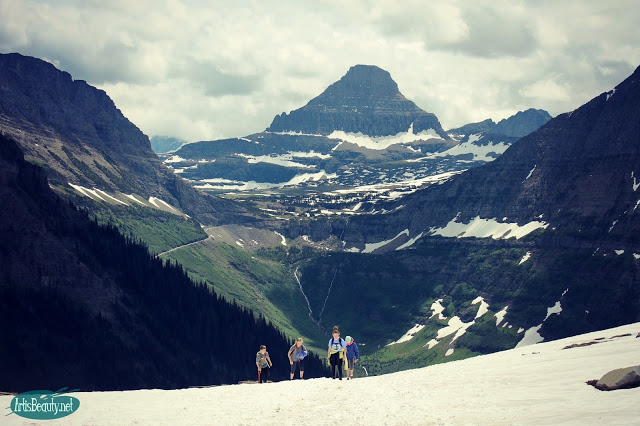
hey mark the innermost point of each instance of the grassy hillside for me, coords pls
(254, 281)
(377, 298)
(158, 230)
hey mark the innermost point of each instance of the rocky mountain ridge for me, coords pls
(76, 132)
(359, 141)
(518, 125)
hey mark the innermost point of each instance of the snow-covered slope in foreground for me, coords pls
(538, 384)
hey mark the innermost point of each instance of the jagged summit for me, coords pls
(365, 100)
(518, 125)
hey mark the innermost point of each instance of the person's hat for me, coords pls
(348, 339)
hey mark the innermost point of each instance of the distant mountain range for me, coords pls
(163, 144)
(360, 133)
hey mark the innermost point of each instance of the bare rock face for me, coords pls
(365, 100)
(621, 378)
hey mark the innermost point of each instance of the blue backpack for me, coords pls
(302, 353)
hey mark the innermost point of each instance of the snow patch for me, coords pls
(485, 228)
(554, 310)
(285, 160)
(410, 242)
(408, 335)
(384, 142)
(531, 337)
(455, 325)
(104, 194)
(174, 159)
(479, 152)
(635, 185)
(619, 252)
(253, 185)
(133, 198)
(525, 258)
(370, 247)
(500, 315)
(449, 352)
(437, 309)
(531, 172)
(284, 240)
(157, 202)
(430, 344)
(484, 306)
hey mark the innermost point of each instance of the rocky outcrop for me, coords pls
(365, 100)
(621, 378)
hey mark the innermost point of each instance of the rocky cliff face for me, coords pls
(365, 100)
(76, 132)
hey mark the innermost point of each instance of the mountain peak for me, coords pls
(366, 80)
(365, 100)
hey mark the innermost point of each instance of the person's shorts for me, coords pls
(297, 364)
(351, 363)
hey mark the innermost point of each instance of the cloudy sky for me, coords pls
(211, 69)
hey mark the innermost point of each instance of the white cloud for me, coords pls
(204, 70)
(547, 90)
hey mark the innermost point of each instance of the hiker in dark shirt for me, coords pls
(263, 362)
(353, 356)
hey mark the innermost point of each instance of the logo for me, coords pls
(44, 404)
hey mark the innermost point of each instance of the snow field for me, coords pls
(384, 142)
(485, 228)
(543, 384)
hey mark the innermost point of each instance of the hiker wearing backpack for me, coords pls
(337, 352)
(296, 355)
(263, 361)
(353, 356)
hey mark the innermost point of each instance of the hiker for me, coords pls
(353, 356)
(263, 361)
(296, 355)
(337, 352)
